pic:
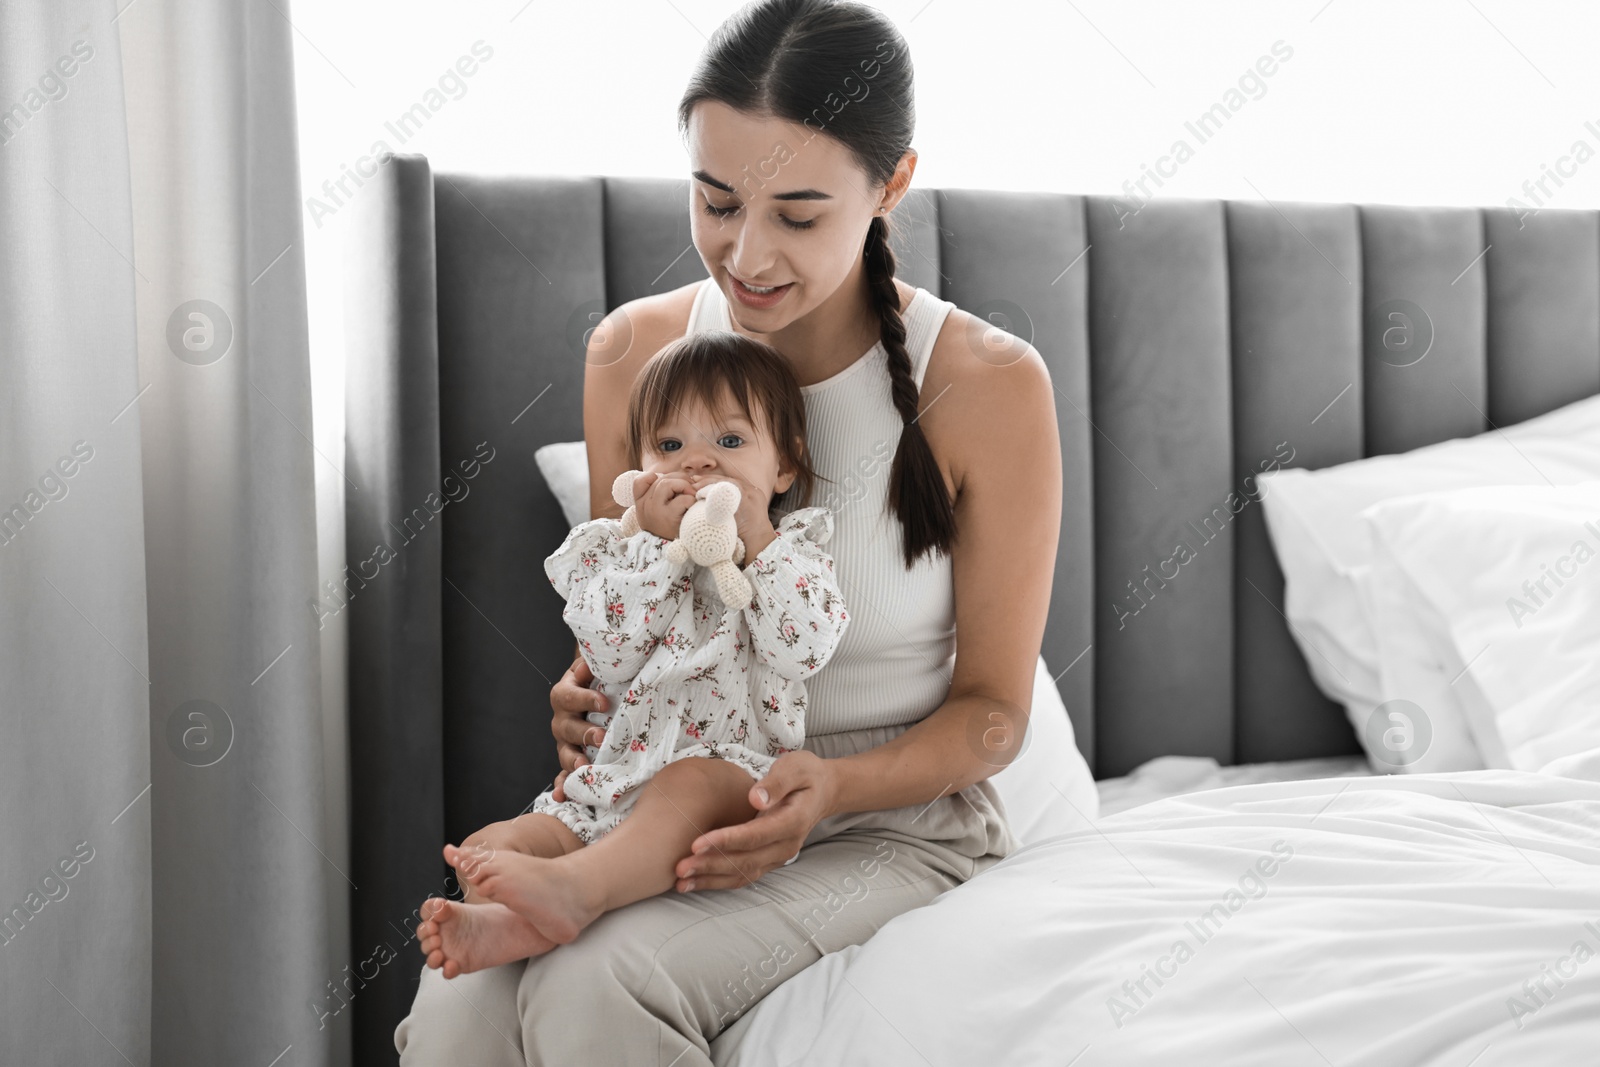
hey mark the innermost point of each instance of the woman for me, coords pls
(939, 454)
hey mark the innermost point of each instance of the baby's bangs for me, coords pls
(688, 375)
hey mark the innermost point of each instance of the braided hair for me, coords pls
(842, 69)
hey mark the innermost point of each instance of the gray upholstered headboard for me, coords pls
(1190, 343)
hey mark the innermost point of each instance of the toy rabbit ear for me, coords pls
(622, 488)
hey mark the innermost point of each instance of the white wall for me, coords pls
(1431, 102)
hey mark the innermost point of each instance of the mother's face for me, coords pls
(775, 203)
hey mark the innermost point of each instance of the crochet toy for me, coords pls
(708, 535)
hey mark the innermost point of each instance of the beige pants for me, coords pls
(653, 982)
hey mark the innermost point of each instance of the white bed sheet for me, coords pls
(1411, 918)
(1168, 776)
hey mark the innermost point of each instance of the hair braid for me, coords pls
(917, 493)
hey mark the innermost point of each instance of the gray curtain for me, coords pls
(166, 893)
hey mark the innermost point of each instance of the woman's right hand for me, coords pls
(571, 699)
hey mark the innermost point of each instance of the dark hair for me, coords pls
(842, 69)
(703, 367)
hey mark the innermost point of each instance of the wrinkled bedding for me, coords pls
(1167, 776)
(1447, 919)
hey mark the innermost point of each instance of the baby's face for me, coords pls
(718, 445)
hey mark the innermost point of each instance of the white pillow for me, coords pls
(1417, 725)
(1047, 789)
(565, 467)
(1516, 572)
(1324, 547)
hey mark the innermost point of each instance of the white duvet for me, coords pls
(1449, 919)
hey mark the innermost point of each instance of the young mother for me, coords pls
(799, 122)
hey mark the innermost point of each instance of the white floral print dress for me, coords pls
(682, 675)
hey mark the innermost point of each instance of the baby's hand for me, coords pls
(753, 519)
(660, 502)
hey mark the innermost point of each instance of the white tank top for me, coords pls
(895, 661)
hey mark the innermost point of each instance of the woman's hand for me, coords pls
(800, 788)
(571, 699)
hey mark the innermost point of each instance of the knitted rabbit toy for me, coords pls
(708, 535)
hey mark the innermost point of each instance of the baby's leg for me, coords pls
(532, 834)
(634, 861)
(683, 800)
(470, 935)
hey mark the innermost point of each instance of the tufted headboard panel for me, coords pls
(1192, 343)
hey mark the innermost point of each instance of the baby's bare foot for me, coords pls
(541, 890)
(463, 938)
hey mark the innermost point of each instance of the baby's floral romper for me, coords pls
(682, 675)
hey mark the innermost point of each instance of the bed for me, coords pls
(1369, 919)
(1199, 350)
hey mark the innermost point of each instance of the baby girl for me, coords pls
(706, 698)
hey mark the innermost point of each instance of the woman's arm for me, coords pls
(1000, 421)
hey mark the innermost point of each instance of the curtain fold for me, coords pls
(159, 658)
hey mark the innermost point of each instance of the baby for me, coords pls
(706, 698)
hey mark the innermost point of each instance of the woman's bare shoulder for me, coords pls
(1002, 380)
(618, 348)
(635, 330)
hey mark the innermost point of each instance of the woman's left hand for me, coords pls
(800, 791)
